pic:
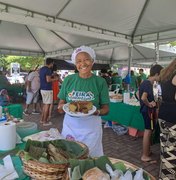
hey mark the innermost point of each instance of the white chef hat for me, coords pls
(86, 49)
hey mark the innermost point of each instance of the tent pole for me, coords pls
(156, 52)
(130, 50)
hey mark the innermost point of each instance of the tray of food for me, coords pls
(79, 108)
(116, 98)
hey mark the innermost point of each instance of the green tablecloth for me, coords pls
(15, 89)
(126, 115)
(16, 110)
(16, 162)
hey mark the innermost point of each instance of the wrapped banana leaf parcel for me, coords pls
(56, 151)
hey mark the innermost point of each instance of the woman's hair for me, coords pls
(168, 72)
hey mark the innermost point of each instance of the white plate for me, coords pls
(78, 114)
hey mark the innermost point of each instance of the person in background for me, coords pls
(25, 84)
(32, 91)
(4, 83)
(85, 86)
(55, 87)
(64, 75)
(105, 75)
(46, 80)
(133, 81)
(116, 81)
(148, 110)
(141, 76)
(55, 84)
(126, 81)
(167, 121)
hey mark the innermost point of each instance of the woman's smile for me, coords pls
(84, 64)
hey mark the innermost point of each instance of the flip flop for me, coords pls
(47, 124)
(150, 161)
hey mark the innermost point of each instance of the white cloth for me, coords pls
(34, 78)
(8, 172)
(87, 130)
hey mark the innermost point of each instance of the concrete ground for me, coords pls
(123, 147)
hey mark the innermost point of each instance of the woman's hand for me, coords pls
(60, 106)
(97, 112)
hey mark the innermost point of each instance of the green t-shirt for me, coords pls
(133, 83)
(75, 88)
(116, 80)
(143, 76)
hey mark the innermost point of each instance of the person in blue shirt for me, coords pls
(46, 80)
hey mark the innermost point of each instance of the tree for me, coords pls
(173, 43)
(26, 62)
(3, 62)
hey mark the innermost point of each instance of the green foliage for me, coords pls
(26, 62)
(121, 166)
(173, 43)
(3, 62)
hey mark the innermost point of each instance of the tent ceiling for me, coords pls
(55, 27)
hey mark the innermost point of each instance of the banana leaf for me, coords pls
(87, 164)
(73, 149)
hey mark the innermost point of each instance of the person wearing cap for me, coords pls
(85, 86)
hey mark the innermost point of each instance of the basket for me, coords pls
(131, 166)
(47, 171)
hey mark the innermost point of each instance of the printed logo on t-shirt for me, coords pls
(81, 96)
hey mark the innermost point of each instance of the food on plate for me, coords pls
(116, 96)
(73, 106)
(95, 173)
(81, 106)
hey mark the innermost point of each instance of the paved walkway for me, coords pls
(123, 147)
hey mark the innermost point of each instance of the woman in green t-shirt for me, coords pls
(85, 86)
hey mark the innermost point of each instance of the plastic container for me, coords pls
(126, 97)
(119, 129)
(26, 128)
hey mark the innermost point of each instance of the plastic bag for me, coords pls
(139, 175)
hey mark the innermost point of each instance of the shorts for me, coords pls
(32, 97)
(150, 120)
(47, 96)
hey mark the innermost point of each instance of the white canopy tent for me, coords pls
(53, 28)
